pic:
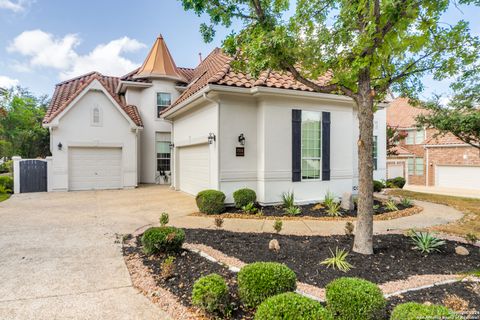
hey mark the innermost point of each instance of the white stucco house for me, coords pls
(205, 128)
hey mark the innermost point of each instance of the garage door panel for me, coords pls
(95, 168)
(465, 177)
(194, 168)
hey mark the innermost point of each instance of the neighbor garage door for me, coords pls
(194, 168)
(458, 177)
(95, 168)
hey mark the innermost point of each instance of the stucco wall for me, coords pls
(146, 101)
(75, 129)
(193, 128)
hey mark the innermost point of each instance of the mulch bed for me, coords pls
(188, 267)
(394, 258)
(314, 212)
(468, 291)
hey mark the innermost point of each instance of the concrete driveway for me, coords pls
(60, 257)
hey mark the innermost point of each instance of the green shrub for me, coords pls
(355, 299)
(243, 197)
(412, 310)
(211, 201)
(377, 185)
(210, 293)
(291, 306)
(288, 199)
(397, 182)
(261, 280)
(162, 239)
(7, 182)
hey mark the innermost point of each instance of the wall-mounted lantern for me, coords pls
(171, 145)
(241, 139)
(211, 138)
(60, 146)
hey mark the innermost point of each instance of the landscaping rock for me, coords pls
(347, 201)
(462, 251)
(273, 245)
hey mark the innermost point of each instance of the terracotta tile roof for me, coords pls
(400, 114)
(216, 69)
(401, 151)
(67, 91)
(130, 77)
(445, 139)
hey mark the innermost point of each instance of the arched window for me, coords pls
(96, 116)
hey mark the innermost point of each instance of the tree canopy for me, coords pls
(21, 131)
(365, 47)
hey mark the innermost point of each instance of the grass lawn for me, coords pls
(4, 196)
(470, 207)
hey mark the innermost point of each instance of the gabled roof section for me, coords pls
(67, 91)
(159, 63)
(444, 139)
(401, 114)
(401, 152)
(216, 69)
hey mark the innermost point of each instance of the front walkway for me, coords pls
(455, 192)
(432, 215)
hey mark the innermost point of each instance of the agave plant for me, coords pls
(390, 205)
(425, 242)
(333, 209)
(293, 211)
(329, 199)
(288, 199)
(338, 260)
(250, 208)
(406, 202)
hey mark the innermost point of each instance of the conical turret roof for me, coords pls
(159, 63)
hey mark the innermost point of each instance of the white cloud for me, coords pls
(15, 6)
(45, 50)
(6, 82)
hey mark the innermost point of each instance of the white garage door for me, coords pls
(95, 168)
(395, 170)
(194, 168)
(458, 177)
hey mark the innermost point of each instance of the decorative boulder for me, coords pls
(462, 251)
(273, 245)
(347, 201)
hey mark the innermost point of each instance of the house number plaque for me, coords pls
(240, 151)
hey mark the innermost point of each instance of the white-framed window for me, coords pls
(164, 100)
(415, 137)
(311, 145)
(415, 166)
(163, 152)
(375, 152)
(96, 116)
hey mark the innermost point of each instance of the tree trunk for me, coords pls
(363, 242)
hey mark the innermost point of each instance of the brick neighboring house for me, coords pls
(423, 159)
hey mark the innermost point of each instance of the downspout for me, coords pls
(217, 102)
(427, 169)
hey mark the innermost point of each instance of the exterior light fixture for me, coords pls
(60, 146)
(241, 139)
(171, 145)
(211, 138)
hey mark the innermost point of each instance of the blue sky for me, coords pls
(43, 42)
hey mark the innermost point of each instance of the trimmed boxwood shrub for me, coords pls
(211, 201)
(355, 299)
(210, 293)
(377, 185)
(397, 182)
(243, 197)
(291, 305)
(412, 310)
(162, 239)
(261, 280)
(7, 182)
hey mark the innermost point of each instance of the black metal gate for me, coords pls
(33, 176)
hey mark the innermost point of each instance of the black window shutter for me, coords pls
(296, 145)
(325, 146)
